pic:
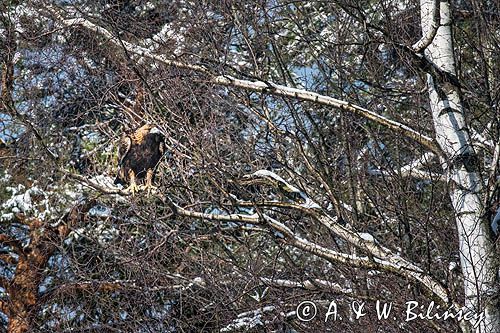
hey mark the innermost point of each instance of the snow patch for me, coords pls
(367, 237)
(248, 320)
(308, 202)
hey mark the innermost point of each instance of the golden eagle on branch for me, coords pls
(140, 153)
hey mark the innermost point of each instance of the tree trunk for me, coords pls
(461, 163)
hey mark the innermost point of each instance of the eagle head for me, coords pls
(155, 130)
(141, 132)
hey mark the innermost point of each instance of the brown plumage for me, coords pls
(140, 153)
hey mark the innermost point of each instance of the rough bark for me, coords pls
(33, 259)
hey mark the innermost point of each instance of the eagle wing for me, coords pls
(124, 148)
(162, 147)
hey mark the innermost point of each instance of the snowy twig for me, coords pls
(97, 285)
(386, 261)
(257, 85)
(381, 258)
(284, 186)
(94, 185)
(412, 169)
(314, 284)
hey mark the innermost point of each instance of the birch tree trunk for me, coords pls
(461, 163)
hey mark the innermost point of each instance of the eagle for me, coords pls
(140, 153)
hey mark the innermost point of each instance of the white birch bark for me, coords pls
(451, 135)
(460, 160)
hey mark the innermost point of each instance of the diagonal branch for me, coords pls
(379, 257)
(382, 258)
(313, 284)
(103, 188)
(256, 85)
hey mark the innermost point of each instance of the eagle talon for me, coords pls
(133, 189)
(150, 189)
(140, 153)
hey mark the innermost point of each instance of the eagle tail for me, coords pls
(119, 181)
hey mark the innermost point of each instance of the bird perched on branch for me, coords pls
(140, 153)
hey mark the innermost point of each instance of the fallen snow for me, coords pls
(35, 202)
(248, 320)
(366, 236)
(104, 181)
(23, 201)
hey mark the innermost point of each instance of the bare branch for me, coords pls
(412, 169)
(314, 284)
(94, 185)
(385, 261)
(258, 86)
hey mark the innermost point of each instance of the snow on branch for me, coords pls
(380, 258)
(305, 95)
(412, 169)
(283, 185)
(257, 85)
(181, 284)
(387, 261)
(101, 184)
(314, 284)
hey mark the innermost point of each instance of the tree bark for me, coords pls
(23, 288)
(462, 166)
